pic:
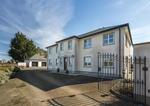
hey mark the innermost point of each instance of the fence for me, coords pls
(131, 79)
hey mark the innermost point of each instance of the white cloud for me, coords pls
(119, 2)
(141, 34)
(43, 20)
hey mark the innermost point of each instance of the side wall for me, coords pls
(97, 46)
(144, 50)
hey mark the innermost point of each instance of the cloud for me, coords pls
(141, 34)
(3, 53)
(119, 2)
(144, 6)
(41, 20)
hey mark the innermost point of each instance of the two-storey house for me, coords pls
(79, 53)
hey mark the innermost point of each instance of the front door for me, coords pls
(65, 63)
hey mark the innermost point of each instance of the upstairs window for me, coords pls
(87, 61)
(61, 46)
(70, 45)
(87, 43)
(108, 39)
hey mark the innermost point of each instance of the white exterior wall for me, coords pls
(61, 54)
(39, 63)
(97, 46)
(127, 52)
(67, 53)
(144, 50)
(78, 52)
(52, 56)
(21, 64)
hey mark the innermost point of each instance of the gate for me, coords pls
(129, 83)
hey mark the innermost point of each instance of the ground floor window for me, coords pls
(108, 62)
(56, 62)
(49, 62)
(44, 64)
(70, 61)
(87, 61)
(34, 64)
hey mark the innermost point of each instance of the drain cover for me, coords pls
(104, 95)
(71, 95)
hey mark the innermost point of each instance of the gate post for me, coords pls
(145, 69)
(98, 69)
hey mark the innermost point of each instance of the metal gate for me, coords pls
(127, 75)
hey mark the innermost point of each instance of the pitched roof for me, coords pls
(52, 45)
(142, 43)
(38, 57)
(100, 30)
(70, 37)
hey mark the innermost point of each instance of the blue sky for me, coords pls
(46, 21)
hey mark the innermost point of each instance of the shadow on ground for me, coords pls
(48, 81)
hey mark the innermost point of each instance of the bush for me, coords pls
(16, 69)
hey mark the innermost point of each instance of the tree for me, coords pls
(42, 52)
(21, 48)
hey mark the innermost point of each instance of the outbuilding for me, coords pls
(36, 61)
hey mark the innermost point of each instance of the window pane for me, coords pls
(105, 42)
(105, 36)
(87, 43)
(108, 39)
(69, 45)
(105, 39)
(87, 61)
(111, 41)
(111, 36)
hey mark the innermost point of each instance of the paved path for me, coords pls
(89, 99)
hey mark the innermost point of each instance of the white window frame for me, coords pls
(56, 62)
(70, 61)
(87, 43)
(70, 45)
(87, 63)
(108, 62)
(60, 61)
(61, 46)
(107, 38)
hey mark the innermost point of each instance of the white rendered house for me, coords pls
(79, 53)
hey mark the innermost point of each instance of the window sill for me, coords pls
(88, 48)
(87, 66)
(108, 44)
(108, 67)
